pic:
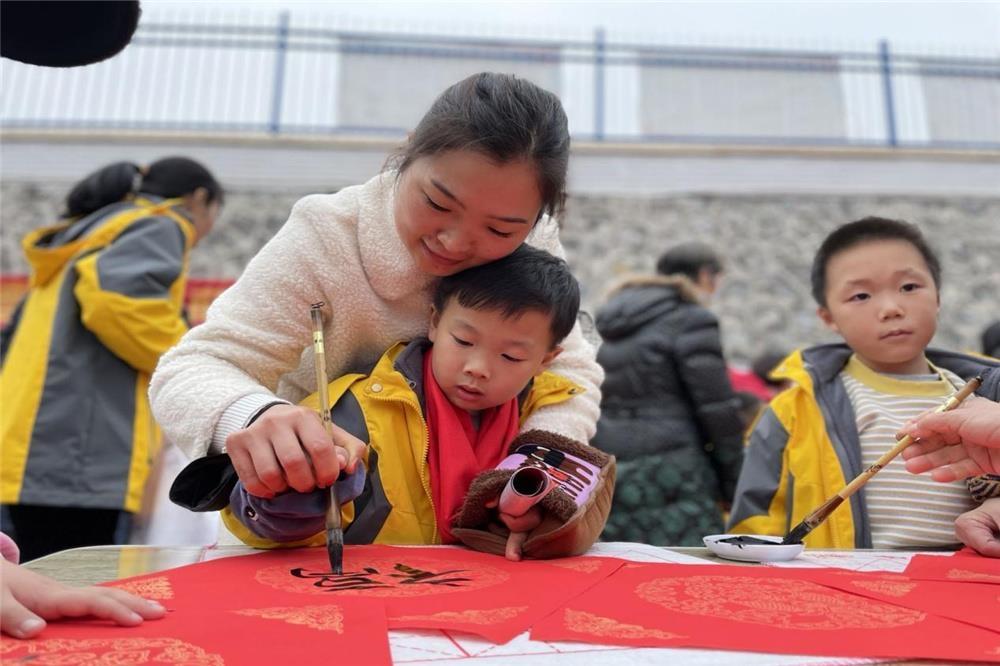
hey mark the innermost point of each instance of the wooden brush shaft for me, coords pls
(951, 403)
(823, 511)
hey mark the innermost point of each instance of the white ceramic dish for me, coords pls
(753, 553)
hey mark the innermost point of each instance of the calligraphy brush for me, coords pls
(810, 522)
(334, 532)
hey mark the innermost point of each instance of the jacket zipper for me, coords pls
(426, 450)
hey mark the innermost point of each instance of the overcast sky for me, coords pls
(950, 26)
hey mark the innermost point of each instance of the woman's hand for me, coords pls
(287, 446)
(29, 599)
(957, 444)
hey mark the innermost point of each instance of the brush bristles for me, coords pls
(335, 550)
(797, 534)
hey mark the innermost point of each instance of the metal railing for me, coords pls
(289, 78)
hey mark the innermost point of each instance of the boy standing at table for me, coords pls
(877, 285)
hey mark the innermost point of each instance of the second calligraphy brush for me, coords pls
(334, 531)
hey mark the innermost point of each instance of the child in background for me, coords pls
(105, 301)
(877, 285)
(438, 411)
(483, 172)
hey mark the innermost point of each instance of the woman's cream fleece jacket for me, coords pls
(255, 346)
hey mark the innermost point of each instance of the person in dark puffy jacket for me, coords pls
(668, 410)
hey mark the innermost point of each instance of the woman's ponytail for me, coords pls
(104, 186)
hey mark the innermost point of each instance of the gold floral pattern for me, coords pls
(107, 652)
(573, 564)
(150, 588)
(327, 617)
(775, 602)
(469, 616)
(963, 574)
(892, 588)
(595, 625)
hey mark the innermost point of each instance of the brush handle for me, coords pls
(821, 513)
(334, 532)
(319, 354)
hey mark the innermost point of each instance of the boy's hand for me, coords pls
(519, 527)
(29, 599)
(287, 446)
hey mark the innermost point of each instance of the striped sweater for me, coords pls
(906, 510)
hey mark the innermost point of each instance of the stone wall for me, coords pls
(768, 241)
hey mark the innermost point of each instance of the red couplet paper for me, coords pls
(762, 610)
(973, 603)
(501, 599)
(318, 633)
(419, 587)
(964, 566)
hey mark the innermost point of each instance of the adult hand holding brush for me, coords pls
(957, 444)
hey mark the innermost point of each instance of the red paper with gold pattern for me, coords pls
(420, 587)
(320, 634)
(964, 566)
(750, 609)
(974, 603)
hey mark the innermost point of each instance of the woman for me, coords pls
(483, 172)
(669, 413)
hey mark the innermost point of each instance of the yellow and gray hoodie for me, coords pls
(805, 447)
(104, 302)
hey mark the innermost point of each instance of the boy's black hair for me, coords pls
(689, 259)
(867, 230)
(526, 279)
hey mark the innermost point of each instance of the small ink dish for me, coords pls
(752, 547)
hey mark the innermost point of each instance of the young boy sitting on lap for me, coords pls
(439, 415)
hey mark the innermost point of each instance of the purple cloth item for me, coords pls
(292, 516)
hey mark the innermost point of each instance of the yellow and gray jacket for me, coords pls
(805, 447)
(104, 302)
(384, 409)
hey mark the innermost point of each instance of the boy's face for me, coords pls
(881, 298)
(482, 359)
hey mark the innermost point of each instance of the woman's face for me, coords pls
(459, 209)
